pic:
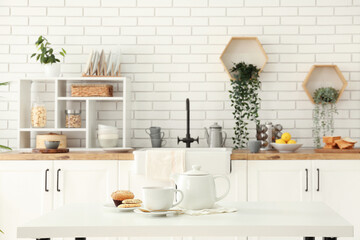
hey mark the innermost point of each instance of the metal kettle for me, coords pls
(215, 137)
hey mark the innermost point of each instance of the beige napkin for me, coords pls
(216, 210)
(161, 164)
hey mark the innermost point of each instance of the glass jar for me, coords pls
(73, 118)
(38, 115)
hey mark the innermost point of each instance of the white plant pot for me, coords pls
(52, 70)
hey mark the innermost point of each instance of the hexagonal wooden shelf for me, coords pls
(324, 76)
(243, 49)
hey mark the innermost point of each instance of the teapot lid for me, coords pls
(215, 125)
(195, 171)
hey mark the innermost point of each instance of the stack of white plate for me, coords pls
(108, 136)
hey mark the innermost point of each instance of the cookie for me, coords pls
(132, 201)
(129, 205)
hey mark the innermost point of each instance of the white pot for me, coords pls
(52, 70)
(199, 188)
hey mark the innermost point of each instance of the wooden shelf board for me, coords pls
(41, 78)
(52, 129)
(90, 98)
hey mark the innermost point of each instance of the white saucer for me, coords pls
(113, 208)
(162, 213)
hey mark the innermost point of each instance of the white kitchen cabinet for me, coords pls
(79, 181)
(23, 193)
(279, 180)
(337, 183)
(84, 181)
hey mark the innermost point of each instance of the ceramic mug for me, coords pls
(153, 130)
(160, 198)
(157, 135)
(157, 142)
(254, 146)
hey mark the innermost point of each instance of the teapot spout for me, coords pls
(207, 136)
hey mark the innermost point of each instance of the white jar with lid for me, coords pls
(72, 118)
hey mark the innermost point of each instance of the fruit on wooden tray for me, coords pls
(333, 142)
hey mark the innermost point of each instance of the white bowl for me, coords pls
(102, 126)
(108, 131)
(108, 143)
(286, 148)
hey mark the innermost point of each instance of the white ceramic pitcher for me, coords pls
(199, 189)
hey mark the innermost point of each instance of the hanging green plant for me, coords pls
(46, 54)
(245, 100)
(323, 116)
(2, 146)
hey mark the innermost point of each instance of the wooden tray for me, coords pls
(323, 150)
(44, 150)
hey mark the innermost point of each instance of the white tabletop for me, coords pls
(252, 219)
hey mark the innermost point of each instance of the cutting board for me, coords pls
(324, 150)
(44, 150)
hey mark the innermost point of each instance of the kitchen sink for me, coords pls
(212, 160)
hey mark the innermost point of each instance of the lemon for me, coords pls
(286, 137)
(291, 142)
(280, 141)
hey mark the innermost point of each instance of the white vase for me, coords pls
(52, 70)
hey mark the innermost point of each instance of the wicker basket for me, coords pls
(91, 90)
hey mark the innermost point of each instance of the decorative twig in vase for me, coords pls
(245, 100)
(323, 115)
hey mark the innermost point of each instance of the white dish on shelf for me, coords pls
(111, 207)
(286, 148)
(102, 126)
(106, 131)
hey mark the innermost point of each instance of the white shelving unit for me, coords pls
(88, 131)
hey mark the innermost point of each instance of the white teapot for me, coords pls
(199, 188)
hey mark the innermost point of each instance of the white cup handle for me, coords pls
(182, 197)
(228, 187)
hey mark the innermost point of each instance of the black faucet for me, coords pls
(188, 140)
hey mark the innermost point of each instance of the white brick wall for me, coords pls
(171, 50)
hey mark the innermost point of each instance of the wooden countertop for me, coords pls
(303, 154)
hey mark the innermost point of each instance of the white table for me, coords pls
(311, 219)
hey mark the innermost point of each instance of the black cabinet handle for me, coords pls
(57, 180)
(307, 180)
(318, 180)
(46, 175)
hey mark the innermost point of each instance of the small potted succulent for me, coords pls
(45, 55)
(323, 115)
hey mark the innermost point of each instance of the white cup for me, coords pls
(160, 198)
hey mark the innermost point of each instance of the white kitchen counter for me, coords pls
(313, 219)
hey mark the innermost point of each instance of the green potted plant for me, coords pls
(323, 115)
(45, 55)
(2, 147)
(245, 100)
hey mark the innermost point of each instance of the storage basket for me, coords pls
(91, 90)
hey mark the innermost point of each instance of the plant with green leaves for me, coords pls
(45, 53)
(245, 100)
(2, 146)
(323, 115)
